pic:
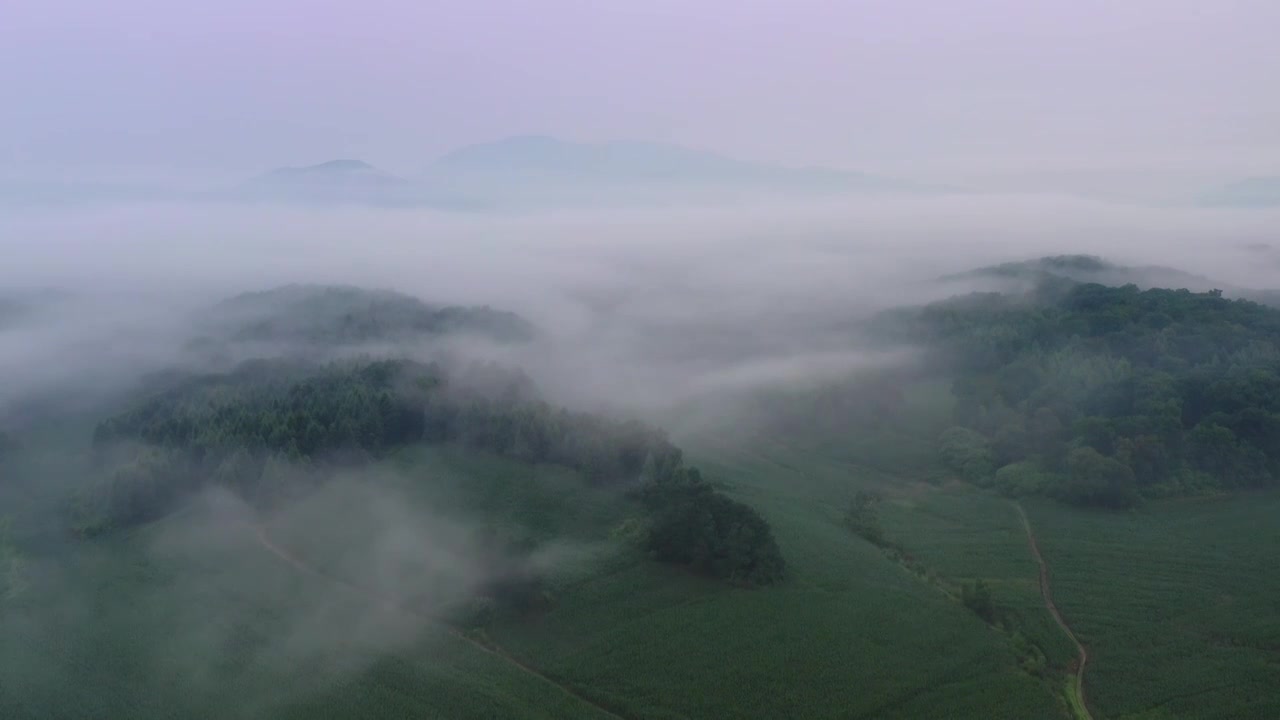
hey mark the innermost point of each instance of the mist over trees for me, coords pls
(270, 428)
(312, 318)
(1104, 395)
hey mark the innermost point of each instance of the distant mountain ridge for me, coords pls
(638, 162)
(539, 170)
(343, 168)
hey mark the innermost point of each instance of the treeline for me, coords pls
(270, 428)
(1104, 395)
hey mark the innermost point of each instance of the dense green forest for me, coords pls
(1105, 395)
(270, 428)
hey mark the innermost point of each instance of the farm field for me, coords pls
(850, 635)
(1176, 602)
(191, 616)
(188, 619)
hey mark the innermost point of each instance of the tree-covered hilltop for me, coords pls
(692, 524)
(1102, 395)
(1065, 270)
(271, 428)
(337, 315)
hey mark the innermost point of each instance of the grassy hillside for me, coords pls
(193, 616)
(850, 634)
(1174, 600)
(473, 552)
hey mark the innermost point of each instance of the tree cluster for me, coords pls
(269, 428)
(1103, 395)
(862, 517)
(691, 524)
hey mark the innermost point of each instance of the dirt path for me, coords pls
(1080, 707)
(390, 603)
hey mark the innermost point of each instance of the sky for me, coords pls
(999, 90)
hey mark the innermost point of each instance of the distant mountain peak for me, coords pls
(533, 170)
(334, 167)
(344, 164)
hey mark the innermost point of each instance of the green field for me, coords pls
(193, 616)
(1177, 603)
(851, 634)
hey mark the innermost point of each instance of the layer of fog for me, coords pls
(637, 307)
(249, 611)
(641, 312)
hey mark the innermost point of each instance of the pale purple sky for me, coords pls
(925, 88)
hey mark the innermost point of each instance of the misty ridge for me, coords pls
(616, 286)
(523, 173)
(538, 173)
(445, 424)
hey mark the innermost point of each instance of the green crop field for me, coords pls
(193, 616)
(1177, 603)
(850, 634)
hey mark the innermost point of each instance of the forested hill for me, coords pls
(336, 315)
(1031, 275)
(270, 429)
(1104, 395)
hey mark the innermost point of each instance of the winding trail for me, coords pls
(390, 603)
(1079, 706)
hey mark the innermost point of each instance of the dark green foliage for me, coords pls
(1022, 478)
(1095, 479)
(295, 410)
(862, 517)
(262, 431)
(967, 453)
(1031, 657)
(692, 524)
(977, 597)
(232, 428)
(1170, 391)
